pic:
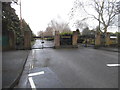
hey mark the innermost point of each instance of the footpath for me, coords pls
(112, 49)
(12, 66)
(109, 49)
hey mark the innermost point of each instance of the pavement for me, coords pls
(110, 49)
(12, 66)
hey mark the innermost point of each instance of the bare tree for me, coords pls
(106, 10)
(80, 24)
(86, 31)
(48, 31)
(59, 26)
(40, 33)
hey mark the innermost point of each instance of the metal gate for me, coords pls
(66, 40)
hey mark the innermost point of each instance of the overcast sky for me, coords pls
(38, 13)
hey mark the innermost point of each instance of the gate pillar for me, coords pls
(107, 39)
(74, 38)
(57, 39)
(27, 40)
(97, 40)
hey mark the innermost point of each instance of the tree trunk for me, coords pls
(105, 33)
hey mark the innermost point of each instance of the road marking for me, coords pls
(32, 83)
(113, 65)
(37, 73)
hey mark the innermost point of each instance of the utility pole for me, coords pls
(21, 19)
(21, 28)
(20, 14)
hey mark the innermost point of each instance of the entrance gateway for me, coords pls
(62, 41)
(65, 41)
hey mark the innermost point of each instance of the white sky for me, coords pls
(38, 13)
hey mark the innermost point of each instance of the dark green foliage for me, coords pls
(66, 33)
(50, 39)
(78, 31)
(10, 21)
(25, 26)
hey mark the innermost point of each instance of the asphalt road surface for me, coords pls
(71, 68)
(38, 44)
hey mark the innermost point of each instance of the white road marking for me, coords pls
(37, 73)
(32, 83)
(113, 65)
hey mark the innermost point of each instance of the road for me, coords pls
(38, 44)
(74, 68)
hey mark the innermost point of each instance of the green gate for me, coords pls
(66, 40)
